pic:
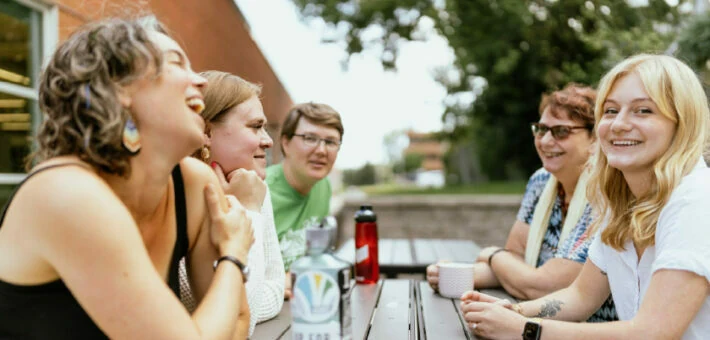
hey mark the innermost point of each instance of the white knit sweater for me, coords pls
(265, 288)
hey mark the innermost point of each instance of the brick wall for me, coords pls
(213, 33)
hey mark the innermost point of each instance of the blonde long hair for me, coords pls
(680, 97)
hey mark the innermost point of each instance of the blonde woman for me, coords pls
(650, 186)
(90, 241)
(236, 147)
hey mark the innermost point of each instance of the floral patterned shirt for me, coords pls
(577, 243)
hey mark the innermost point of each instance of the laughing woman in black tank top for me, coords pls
(91, 237)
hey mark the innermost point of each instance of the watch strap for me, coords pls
(242, 267)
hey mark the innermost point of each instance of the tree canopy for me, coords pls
(507, 53)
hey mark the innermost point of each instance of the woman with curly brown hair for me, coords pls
(93, 234)
(547, 245)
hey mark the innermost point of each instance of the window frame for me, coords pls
(49, 37)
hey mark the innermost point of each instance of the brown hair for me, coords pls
(223, 92)
(576, 100)
(316, 113)
(78, 91)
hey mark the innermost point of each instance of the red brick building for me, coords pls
(431, 149)
(214, 34)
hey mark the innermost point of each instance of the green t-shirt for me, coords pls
(292, 210)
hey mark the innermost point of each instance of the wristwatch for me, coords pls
(533, 329)
(242, 267)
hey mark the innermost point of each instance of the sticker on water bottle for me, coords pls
(362, 254)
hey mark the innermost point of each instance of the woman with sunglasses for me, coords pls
(650, 186)
(538, 257)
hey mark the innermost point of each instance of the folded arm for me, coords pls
(664, 314)
(105, 242)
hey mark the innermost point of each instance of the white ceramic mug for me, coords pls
(455, 279)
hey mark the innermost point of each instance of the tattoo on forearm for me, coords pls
(550, 308)
(603, 272)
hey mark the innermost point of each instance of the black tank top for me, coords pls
(50, 311)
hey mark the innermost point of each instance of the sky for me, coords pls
(371, 101)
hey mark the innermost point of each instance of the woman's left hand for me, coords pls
(244, 184)
(492, 320)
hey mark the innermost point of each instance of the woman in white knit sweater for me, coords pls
(235, 147)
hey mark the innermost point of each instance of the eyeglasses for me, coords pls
(559, 132)
(313, 141)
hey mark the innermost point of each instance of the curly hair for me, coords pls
(78, 92)
(576, 100)
(680, 97)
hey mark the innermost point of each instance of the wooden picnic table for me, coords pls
(412, 256)
(392, 309)
(441, 318)
(385, 310)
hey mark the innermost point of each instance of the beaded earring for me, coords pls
(131, 137)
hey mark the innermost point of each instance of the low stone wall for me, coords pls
(485, 219)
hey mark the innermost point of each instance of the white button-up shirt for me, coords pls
(682, 243)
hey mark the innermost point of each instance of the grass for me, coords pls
(508, 187)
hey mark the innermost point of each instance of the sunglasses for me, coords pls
(559, 132)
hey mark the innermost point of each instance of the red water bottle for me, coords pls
(367, 266)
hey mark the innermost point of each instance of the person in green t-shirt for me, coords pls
(300, 192)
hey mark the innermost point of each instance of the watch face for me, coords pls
(531, 331)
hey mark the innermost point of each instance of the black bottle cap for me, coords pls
(365, 214)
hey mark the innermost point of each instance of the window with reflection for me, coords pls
(15, 132)
(20, 63)
(19, 43)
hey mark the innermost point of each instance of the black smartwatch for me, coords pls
(533, 329)
(242, 267)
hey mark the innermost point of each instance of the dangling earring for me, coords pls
(131, 137)
(205, 153)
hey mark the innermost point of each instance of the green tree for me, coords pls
(507, 53)
(409, 163)
(365, 175)
(694, 42)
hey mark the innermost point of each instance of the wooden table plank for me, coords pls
(411, 256)
(442, 250)
(391, 320)
(424, 251)
(276, 327)
(401, 252)
(385, 251)
(463, 251)
(440, 315)
(363, 300)
(499, 293)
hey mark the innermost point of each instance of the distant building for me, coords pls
(432, 171)
(215, 37)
